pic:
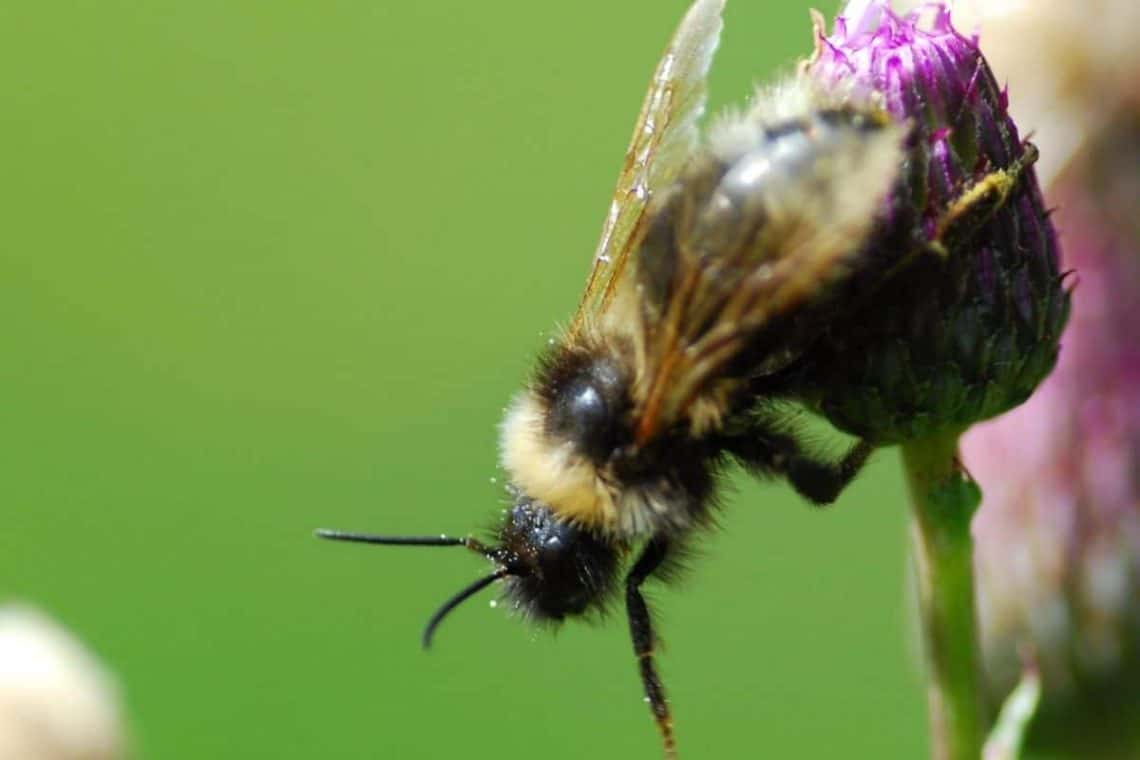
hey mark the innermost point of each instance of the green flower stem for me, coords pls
(943, 500)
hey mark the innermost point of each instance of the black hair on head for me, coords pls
(562, 569)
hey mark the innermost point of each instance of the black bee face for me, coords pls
(556, 569)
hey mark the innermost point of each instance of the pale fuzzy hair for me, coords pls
(550, 470)
(553, 473)
(737, 131)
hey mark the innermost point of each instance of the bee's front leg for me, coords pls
(644, 642)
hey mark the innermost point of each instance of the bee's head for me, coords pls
(551, 568)
(558, 568)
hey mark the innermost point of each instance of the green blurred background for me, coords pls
(269, 266)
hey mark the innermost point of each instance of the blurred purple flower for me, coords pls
(1058, 535)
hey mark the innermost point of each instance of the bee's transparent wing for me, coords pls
(665, 135)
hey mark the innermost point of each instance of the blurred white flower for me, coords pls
(57, 702)
(1072, 63)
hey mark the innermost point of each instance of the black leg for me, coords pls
(821, 482)
(769, 451)
(644, 642)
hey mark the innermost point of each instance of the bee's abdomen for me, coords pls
(762, 194)
(789, 177)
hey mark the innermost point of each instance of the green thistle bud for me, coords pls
(960, 316)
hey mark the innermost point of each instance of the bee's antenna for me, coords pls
(367, 538)
(498, 555)
(455, 601)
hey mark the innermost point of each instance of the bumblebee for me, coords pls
(721, 258)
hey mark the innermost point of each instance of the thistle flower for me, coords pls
(962, 317)
(1058, 534)
(960, 308)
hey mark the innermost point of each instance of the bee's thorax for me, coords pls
(567, 443)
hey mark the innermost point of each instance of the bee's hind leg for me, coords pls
(821, 481)
(979, 201)
(644, 641)
(768, 449)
